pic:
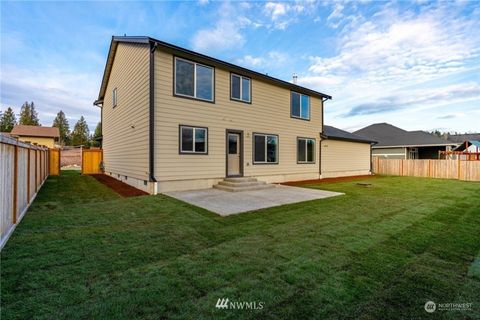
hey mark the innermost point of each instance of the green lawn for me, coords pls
(376, 253)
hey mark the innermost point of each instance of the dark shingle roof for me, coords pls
(330, 132)
(464, 137)
(177, 49)
(391, 136)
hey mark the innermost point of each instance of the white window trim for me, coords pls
(195, 64)
(291, 109)
(306, 150)
(114, 97)
(193, 140)
(265, 136)
(241, 88)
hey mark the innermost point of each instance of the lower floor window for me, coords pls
(305, 150)
(265, 148)
(193, 139)
(413, 153)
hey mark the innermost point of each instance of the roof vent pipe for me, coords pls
(295, 78)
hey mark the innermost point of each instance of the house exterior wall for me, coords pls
(390, 153)
(344, 158)
(42, 141)
(126, 126)
(268, 113)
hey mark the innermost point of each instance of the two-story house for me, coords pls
(174, 119)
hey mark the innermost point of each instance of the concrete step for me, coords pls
(241, 179)
(246, 188)
(240, 183)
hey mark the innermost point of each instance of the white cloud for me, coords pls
(225, 34)
(395, 50)
(273, 59)
(400, 66)
(276, 9)
(251, 61)
(52, 90)
(335, 18)
(282, 14)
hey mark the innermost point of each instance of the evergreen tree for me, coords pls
(28, 114)
(80, 133)
(61, 123)
(97, 134)
(8, 120)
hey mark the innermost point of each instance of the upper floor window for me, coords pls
(193, 140)
(114, 97)
(300, 106)
(240, 88)
(265, 148)
(193, 80)
(305, 150)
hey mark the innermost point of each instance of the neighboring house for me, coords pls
(174, 119)
(44, 136)
(460, 138)
(467, 150)
(396, 143)
(344, 153)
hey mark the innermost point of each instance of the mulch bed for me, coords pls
(123, 189)
(327, 180)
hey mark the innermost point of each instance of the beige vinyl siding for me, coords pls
(41, 141)
(344, 158)
(268, 113)
(126, 127)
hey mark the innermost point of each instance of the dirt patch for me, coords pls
(123, 189)
(327, 180)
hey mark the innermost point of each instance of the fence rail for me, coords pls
(439, 169)
(23, 169)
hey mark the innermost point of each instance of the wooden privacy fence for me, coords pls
(23, 169)
(71, 156)
(91, 161)
(54, 155)
(441, 169)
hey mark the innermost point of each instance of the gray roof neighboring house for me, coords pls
(330, 132)
(390, 136)
(464, 137)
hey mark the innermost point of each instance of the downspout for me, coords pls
(371, 155)
(151, 138)
(321, 139)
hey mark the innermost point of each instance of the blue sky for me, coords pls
(412, 64)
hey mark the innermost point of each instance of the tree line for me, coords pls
(80, 135)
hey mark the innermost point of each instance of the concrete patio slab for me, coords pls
(226, 203)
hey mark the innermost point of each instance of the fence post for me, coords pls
(36, 170)
(458, 168)
(429, 168)
(28, 176)
(15, 183)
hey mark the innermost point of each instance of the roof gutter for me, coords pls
(417, 145)
(151, 137)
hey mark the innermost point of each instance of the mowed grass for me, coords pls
(381, 252)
